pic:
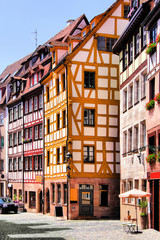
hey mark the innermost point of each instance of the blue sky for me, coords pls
(19, 18)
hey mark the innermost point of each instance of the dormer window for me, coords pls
(70, 48)
(34, 59)
(35, 78)
(54, 56)
(14, 87)
(42, 56)
(93, 24)
(39, 76)
(84, 33)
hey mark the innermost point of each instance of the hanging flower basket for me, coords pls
(150, 104)
(158, 38)
(151, 48)
(157, 98)
(158, 157)
(151, 158)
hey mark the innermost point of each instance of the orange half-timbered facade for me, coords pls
(81, 98)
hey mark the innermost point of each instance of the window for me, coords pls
(65, 193)
(10, 115)
(19, 137)
(143, 37)
(93, 24)
(39, 76)
(48, 158)
(70, 48)
(153, 34)
(151, 142)
(136, 91)
(124, 59)
(57, 86)
(48, 126)
(19, 164)
(125, 100)
(134, 3)
(14, 164)
(14, 87)
(26, 107)
(19, 111)
(88, 153)
(84, 33)
(54, 57)
(105, 44)
(126, 10)
(30, 105)
(31, 81)
(143, 85)
(40, 101)
(89, 115)
(10, 164)
(130, 93)
(30, 132)
(104, 195)
(151, 89)
(40, 131)
(125, 142)
(64, 118)
(35, 103)
(130, 51)
(143, 134)
(2, 142)
(47, 93)
(136, 44)
(136, 138)
(35, 79)
(1, 165)
(36, 162)
(63, 82)
(36, 132)
(26, 163)
(89, 79)
(2, 119)
(14, 113)
(14, 139)
(64, 154)
(136, 183)
(32, 199)
(26, 133)
(53, 193)
(58, 121)
(40, 162)
(58, 155)
(10, 140)
(130, 140)
(30, 163)
(59, 193)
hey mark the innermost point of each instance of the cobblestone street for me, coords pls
(38, 226)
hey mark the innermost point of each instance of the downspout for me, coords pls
(23, 157)
(43, 165)
(67, 139)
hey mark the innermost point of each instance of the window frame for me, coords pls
(89, 119)
(89, 79)
(87, 154)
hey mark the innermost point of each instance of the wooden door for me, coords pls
(86, 202)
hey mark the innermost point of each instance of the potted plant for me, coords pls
(157, 98)
(158, 38)
(151, 48)
(151, 158)
(150, 104)
(158, 157)
(20, 198)
(143, 205)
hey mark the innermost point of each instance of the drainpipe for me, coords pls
(67, 138)
(43, 162)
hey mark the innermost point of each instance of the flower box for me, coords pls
(150, 104)
(151, 48)
(157, 98)
(151, 158)
(26, 140)
(158, 38)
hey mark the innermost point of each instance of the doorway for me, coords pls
(86, 201)
(156, 205)
(40, 201)
(47, 201)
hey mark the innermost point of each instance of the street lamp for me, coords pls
(68, 168)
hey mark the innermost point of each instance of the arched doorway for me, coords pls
(47, 201)
(40, 203)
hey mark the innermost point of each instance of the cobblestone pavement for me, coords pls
(27, 226)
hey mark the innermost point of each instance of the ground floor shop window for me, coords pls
(59, 193)
(53, 193)
(104, 195)
(65, 193)
(15, 195)
(32, 199)
(1, 189)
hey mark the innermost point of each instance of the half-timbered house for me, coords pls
(81, 98)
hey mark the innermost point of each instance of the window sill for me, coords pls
(124, 69)
(136, 103)
(90, 87)
(143, 98)
(136, 55)
(130, 63)
(124, 154)
(88, 125)
(143, 48)
(130, 107)
(124, 110)
(88, 162)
